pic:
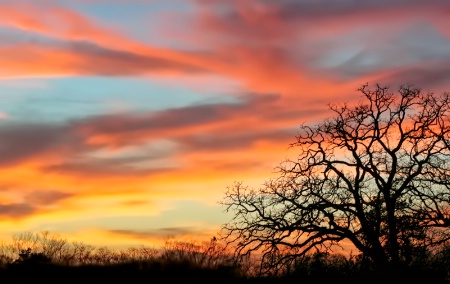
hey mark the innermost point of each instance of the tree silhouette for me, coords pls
(376, 174)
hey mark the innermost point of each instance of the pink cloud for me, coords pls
(282, 46)
(76, 45)
(290, 58)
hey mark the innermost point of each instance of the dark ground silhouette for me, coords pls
(54, 260)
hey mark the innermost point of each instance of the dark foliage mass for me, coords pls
(376, 176)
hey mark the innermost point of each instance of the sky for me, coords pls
(123, 123)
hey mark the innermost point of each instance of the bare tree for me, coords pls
(376, 174)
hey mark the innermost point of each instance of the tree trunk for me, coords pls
(393, 246)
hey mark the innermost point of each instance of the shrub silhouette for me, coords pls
(28, 257)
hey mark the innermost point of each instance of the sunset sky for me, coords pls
(124, 122)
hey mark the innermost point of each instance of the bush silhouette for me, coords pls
(28, 257)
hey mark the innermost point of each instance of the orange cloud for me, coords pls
(77, 46)
(280, 53)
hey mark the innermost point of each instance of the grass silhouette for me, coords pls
(46, 258)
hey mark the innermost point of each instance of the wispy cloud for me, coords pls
(281, 61)
(16, 210)
(159, 232)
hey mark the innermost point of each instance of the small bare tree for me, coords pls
(376, 174)
(209, 255)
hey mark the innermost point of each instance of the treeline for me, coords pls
(45, 247)
(47, 258)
